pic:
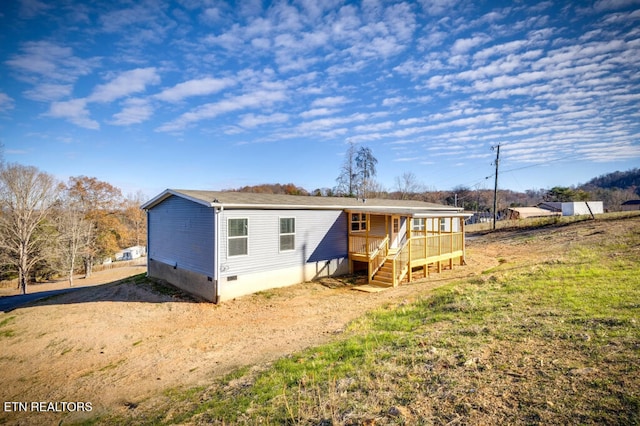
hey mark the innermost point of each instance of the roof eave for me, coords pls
(171, 192)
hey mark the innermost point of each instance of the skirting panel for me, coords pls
(191, 282)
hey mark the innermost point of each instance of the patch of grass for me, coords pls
(552, 343)
(7, 320)
(112, 365)
(5, 332)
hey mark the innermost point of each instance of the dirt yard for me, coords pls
(118, 346)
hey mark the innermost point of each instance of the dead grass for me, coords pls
(553, 341)
(513, 337)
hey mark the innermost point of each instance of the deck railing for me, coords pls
(363, 245)
(425, 246)
(419, 250)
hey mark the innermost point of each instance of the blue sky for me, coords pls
(206, 94)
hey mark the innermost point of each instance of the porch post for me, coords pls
(451, 242)
(408, 225)
(366, 237)
(462, 258)
(439, 245)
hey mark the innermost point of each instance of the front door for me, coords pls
(394, 233)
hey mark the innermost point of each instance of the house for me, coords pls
(221, 245)
(528, 212)
(480, 217)
(574, 208)
(630, 205)
(134, 252)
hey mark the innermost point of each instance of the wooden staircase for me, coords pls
(384, 276)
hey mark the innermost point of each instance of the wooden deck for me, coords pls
(426, 250)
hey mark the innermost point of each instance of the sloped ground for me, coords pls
(118, 345)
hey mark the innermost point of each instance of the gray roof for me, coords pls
(247, 200)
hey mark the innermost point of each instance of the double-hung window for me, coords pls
(238, 240)
(287, 233)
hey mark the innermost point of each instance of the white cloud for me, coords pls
(464, 45)
(74, 111)
(6, 102)
(40, 60)
(330, 101)
(602, 5)
(31, 8)
(253, 120)
(318, 112)
(127, 83)
(135, 111)
(197, 87)
(49, 92)
(212, 110)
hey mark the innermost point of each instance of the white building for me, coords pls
(574, 208)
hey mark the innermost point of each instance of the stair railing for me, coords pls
(378, 256)
(401, 263)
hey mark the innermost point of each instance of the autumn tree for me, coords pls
(99, 203)
(134, 219)
(27, 196)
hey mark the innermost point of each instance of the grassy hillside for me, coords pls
(553, 339)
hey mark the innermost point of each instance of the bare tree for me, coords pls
(408, 185)
(72, 228)
(26, 199)
(347, 180)
(365, 169)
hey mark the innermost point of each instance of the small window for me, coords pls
(443, 224)
(238, 237)
(418, 224)
(287, 234)
(358, 222)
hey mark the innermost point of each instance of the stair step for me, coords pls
(381, 283)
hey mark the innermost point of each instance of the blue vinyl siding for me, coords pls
(320, 235)
(181, 232)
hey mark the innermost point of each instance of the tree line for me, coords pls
(356, 178)
(57, 229)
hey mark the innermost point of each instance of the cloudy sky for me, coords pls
(206, 94)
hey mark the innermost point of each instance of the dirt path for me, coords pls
(117, 345)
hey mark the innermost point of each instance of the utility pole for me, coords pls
(495, 189)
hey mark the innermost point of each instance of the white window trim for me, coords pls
(280, 234)
(243, 236)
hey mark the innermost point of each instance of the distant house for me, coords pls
(131, 253)
(574, 208)
(221, 245)
(631, 205)
(529, 212)
(480, 217)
